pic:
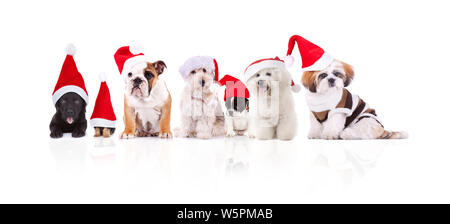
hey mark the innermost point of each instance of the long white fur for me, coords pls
(201, 113)
(276, 119)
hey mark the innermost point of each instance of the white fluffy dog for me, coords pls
(272, 107)
(201, 113)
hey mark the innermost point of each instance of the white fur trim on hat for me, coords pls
(68, 89)
(100, 122)
(132, 62)
(253, 69)
(320, 64)
(71, 49)
(196, 63)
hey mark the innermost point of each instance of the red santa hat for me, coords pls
(314, 58)
(200, 62)
(258, 65)
(103, 114)
(129, 57)
(70, 80)
(234, 87)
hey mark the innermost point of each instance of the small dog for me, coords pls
(202, 115)
(236, 96)
(272, 108)
(70, 116)
(236, 117)
(147, 102)
(335, 112)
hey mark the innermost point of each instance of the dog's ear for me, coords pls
(309, 81)
(159, 67)
(349, 74)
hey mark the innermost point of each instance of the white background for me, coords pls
(399, 50)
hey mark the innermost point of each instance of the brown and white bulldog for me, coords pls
(147, 102)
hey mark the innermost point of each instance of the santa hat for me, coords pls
(70, 80)
(103, 114)
(129, 57)
(258, 65)
(234, 87)
(200, 62)
(314, 58)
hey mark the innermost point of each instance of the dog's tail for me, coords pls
(219, 127)
(394, 135)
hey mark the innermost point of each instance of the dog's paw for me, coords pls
(165, 135)
(204, 135)
(330, 135)
(314, 136)
(230, 133)
(125, 135)
(56, 134)
(78, 133)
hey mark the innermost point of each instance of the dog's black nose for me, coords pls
(70, 113)
(203, 82)
(260, 82)
(137, 81)
(331, 81)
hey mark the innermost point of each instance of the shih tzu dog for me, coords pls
(201, 113)
(335, 112)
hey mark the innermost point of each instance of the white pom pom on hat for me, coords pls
(296, 88)
(71, 49)
(136, 48)
(102, 76)
(288, 60)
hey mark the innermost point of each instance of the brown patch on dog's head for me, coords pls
(152, 73)
(349, 73)
(309, 80)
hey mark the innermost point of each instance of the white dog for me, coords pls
(272, 107)
(201, 113)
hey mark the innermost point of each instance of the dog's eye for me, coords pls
(257, 75)
(337, 74)
(148, 75)
(130, 74)
(192, 72)
(204, 70)
(63, 102)
(323, 75)
(77, 101)
(268, 74)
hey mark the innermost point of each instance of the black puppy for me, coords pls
(70, 116)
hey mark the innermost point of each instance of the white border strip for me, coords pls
(68, 89)
(320, 64)
(100, 122)
(253, 69)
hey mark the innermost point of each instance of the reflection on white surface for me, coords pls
(218, 170)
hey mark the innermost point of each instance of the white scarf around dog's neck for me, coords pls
(323, 102)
